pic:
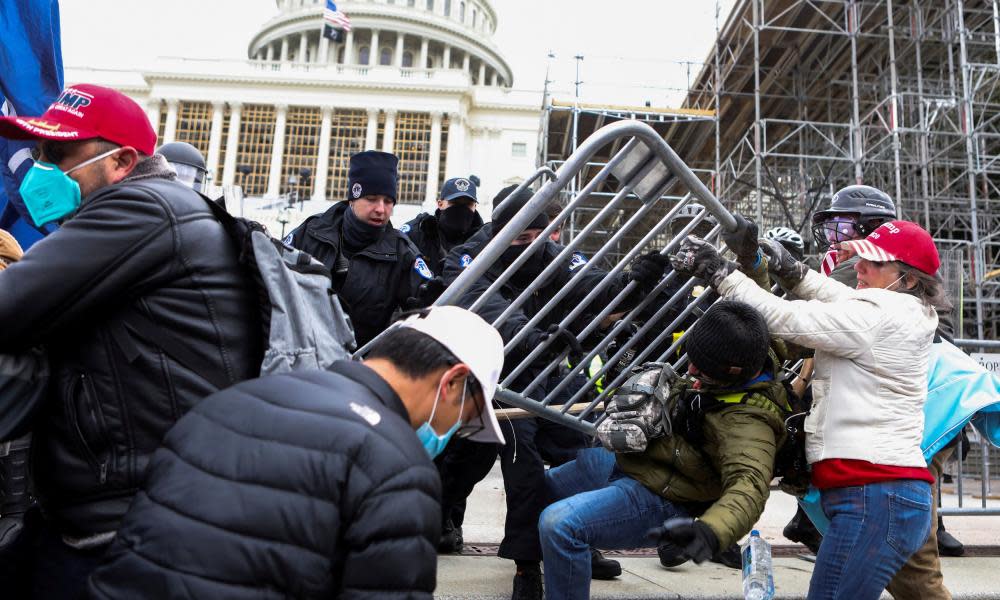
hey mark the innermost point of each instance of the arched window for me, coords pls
(447, 8)
(408, 59)
(363, 55)
(475, 15)
(385, 56)
(430, 5)
(461, 11)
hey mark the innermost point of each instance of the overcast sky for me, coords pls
(634, 50)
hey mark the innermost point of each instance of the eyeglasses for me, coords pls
(474, 390)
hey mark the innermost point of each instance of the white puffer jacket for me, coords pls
(870, 379)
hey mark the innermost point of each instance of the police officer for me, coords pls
(375, 268)
(454, 221)
(187, 162)
(536, 440)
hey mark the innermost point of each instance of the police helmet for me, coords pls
(855, 211)
(187, 161)
(688, 212)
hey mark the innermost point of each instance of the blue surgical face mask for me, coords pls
(50, 194)
(433, 443)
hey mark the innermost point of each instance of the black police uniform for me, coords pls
(434, 246)
(535, 441)
(379, 279)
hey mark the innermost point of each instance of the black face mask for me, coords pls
(358, 235)
(455, 222)
(530, 270)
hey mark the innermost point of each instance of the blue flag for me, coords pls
(31, 77)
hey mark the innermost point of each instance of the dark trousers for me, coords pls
(462, 465)
(530, 443)
(40, 566)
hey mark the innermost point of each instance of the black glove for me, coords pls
(743, 241)
(782, 265)
(696, 540)
(562, 338)
(700, 259)
(427, 293)
(648, 269)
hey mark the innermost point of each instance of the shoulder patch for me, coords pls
(288, 239)
(367, 413)
(422, 269)
(465, 261)
(405, 228)
(577, 261)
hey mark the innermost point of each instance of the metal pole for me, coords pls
(756, 105)
(894, 107)
(924, 153)
(856, 152)
(967, 125)
(575, 184)
(718, 106)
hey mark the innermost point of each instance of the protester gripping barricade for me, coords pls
(313, 484)
(132, 240)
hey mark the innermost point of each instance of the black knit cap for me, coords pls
(729, 343)
(373, 173)
(501, 217)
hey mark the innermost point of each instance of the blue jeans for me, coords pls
(874, 529)
(598, 506)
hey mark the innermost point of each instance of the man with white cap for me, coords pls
(313, 485)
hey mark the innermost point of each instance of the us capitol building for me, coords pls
(422, 79)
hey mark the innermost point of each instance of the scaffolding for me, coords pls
(798, 98)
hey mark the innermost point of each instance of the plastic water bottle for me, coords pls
(758, 581)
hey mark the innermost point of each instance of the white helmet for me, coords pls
(786, 237)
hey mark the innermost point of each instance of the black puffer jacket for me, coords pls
(380, 279)
(424, 232)
(308, 485)
(149, 245)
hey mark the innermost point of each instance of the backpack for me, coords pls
(303, 325)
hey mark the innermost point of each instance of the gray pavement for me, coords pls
(489, 577)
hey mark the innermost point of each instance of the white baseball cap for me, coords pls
(474, 342)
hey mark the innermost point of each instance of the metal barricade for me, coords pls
(631, 222)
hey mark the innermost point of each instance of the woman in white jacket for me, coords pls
(870, 382)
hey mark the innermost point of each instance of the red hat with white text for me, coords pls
(904, 241)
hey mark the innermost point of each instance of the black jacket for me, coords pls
(149, 245)
(306, 485)
(380, 279)
(423, 231)
(462, 256)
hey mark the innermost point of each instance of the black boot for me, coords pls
(670, 555)
(451, 538)
(800, 529)
(14, 498)
(729, 557)
(603, 568)
(527, 581)
(947, 544)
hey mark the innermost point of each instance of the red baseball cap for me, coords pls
(899, 240)
(83, 112)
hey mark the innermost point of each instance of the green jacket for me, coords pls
(732, 471)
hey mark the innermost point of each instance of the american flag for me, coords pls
(335, 18)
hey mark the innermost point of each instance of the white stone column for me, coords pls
(269, 53)
(466, 62)
(323, 56)
(456, 160)
(433, 163)
(424, 46)
(388, 136)
(323, 157)
(400, 43)
(349, 48)
(153, 112)
(170, 129)
(496, 79)
(215, 139)
(446, 59)
(283, 56)
(482, 73)
(371, 134)
(303, 48)
(277, 152)
(232, 144)
(373, 52)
